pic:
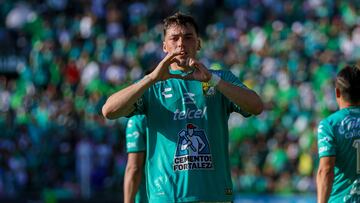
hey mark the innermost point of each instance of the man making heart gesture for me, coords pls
(182, 92)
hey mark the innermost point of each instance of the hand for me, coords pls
(161, 72)
(200, 73)
(189, 143)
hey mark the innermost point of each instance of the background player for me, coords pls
(134, 180)
(338, 176)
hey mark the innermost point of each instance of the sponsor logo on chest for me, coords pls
(189, 114)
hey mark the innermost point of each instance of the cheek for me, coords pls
(193, 44)
(170, 46)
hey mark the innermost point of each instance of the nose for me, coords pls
(180, 42)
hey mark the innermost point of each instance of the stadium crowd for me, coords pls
(54, 140)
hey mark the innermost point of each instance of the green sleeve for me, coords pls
(136, 134)
(231, 78)
(326, 140)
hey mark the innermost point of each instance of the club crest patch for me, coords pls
(207, 89)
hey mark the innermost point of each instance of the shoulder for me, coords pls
(228, 76)
(335, 117)
(329, 124)
(225, 75)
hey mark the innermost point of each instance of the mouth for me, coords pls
(182, 52)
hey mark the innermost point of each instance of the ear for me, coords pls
(198, 44)
(165, 48)
(337, 93)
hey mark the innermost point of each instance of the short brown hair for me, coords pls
(348, 82)
(180, 19)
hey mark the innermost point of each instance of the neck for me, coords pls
(344, 104)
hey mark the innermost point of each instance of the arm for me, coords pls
(324, 178)
(247, 99)
(122, 102)
(133, 175)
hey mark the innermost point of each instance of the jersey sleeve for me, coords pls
(326, 140)
(231, 78)
(136, 134)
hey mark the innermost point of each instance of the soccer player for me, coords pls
(338, 176)
(179, 92)
(134, 181)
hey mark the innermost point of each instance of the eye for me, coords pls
(174, 38)
(189, 37)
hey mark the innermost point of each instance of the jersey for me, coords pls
(187, 148)
(136, 142)
(339, 136)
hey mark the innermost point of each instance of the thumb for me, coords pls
(191, 62)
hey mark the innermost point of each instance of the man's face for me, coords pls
(181, 38)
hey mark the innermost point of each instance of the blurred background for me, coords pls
(60, 60)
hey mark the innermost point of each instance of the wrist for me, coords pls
(214, 80)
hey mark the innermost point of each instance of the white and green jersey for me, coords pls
(187, 148)
(136, 142)
(339, 136)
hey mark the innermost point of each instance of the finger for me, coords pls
(175, 53)
(191, 62)
(170, 56)
(199, 66)
(167, 60)
(203, 70)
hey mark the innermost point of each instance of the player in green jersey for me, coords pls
(187, 108)
(134, 181)
(338, 176)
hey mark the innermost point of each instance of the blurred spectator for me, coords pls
(84, 166)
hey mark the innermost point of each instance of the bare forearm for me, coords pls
(246, 99)
(324, 181)
(131, 185)
(122, 102)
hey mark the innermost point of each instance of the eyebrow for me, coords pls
(186, 34)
